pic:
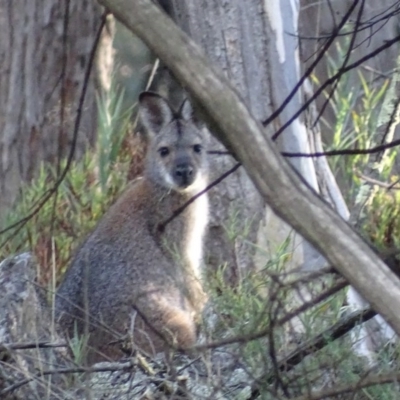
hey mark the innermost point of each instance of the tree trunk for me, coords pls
(250, 43)
(44, 50)
(291, 198)
(247, 41)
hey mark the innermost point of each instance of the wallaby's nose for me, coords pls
(184, 174)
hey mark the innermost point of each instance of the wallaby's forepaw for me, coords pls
(180, 329)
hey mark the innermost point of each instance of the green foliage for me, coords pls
(255, 306)
(262, 296)
(361, 105)
(113, 122)
(361, 108)
(383, 223)
(90, 187)
(78, 345)
(356, 105)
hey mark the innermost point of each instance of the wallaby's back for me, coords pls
(133, 274)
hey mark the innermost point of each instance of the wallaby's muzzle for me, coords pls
(184, 175)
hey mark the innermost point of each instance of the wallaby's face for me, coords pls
(176, 155)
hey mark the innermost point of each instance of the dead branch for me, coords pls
(281, 187)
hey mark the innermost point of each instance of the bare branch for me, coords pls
(340, 284)
(281, 187)
(32, 345)
(373, 380)
(310, 69)
(333, 79)
(345, 152)
(345, 61)
(336, 331)
(329, 153)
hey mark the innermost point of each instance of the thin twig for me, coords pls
(311, 68)
(392, 377)
(340, 284)
(330, 81)
(32, 345)
(162, 225)
(376, 182)
(338, 330)
(344, 152)
(345, 62)
(110, 367)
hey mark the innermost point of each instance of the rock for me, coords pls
(25, 319)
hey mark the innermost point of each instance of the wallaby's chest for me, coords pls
(169, 229)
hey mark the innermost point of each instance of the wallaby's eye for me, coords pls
(164, 151)
(197, 148)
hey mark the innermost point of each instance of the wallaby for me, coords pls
(132, 274)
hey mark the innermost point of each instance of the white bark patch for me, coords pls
(307, 168)
(274, 15)
(295, 13)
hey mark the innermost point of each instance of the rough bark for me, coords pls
(224, 32)
(33, 88)
(290, 197)
(238, 38)
(249, 43)
(263, 64)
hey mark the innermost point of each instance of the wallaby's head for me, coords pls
(176, 154)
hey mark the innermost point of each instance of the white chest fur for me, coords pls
(196, 233)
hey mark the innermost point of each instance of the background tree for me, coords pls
(255, 51)
(44, 48)
(250, 49)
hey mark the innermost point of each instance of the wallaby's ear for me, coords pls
(187, 113)
(186, 110)
(154, 111)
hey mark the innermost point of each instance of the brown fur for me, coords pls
(128, 275)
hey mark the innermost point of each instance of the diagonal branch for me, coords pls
(334, 332)
(281, 187)
(316, 61)
(331, 80)
(373, 380)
